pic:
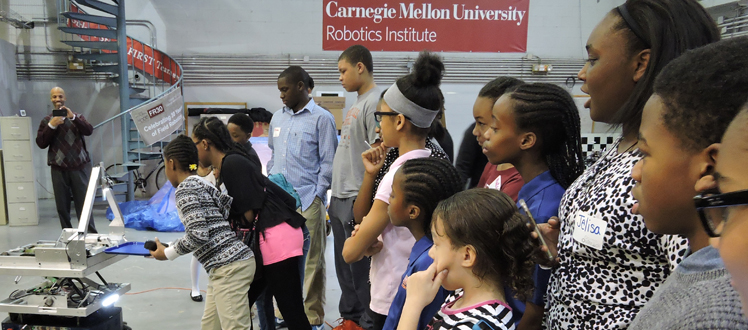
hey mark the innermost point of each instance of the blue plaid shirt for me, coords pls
(303, 146)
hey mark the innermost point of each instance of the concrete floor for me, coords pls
(169, 305)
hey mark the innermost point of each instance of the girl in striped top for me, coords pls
(204, 211)
(481, 245)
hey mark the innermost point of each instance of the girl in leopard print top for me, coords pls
(610, 264)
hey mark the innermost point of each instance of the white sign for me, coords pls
(160, 118)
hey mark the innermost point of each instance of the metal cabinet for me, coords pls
(18, 165)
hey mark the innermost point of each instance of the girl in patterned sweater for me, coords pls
(204, 212)
(481, 245)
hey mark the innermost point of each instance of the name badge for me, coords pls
(496, 184)
(589, 230)
(276, 132)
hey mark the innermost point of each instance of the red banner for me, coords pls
(86, 25)
(152, 61)
(139, 55)
(437, 25)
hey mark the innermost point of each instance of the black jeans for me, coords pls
(282, 281)
(71, 185)
(377, 320)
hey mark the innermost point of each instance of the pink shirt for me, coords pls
(280, 243)
(388, 266)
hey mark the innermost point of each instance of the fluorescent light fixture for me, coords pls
(110, 300)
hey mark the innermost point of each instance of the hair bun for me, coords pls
(427, 70)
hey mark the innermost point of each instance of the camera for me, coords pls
(60, 113)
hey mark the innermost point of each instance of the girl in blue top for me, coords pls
(536, 128)
(419, 185)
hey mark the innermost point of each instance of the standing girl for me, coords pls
(407, 110)
(240, 128)
(280, 239)
(204, 211)
(417, 188)
(604, 277)
(481, 245)
(536, 129)
(501, 176)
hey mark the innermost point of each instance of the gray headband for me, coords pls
(418, 115)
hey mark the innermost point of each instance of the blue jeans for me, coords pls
(265, 310)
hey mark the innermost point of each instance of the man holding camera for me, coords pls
(63, 132)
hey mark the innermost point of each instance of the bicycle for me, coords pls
(140, 181)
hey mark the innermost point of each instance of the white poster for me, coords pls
(160, 118)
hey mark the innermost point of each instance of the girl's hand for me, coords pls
(421, 287)
(159, 253)
(550, 231)
(203, 171)
(374, 248)
(374, 159)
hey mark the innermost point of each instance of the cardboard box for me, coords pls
(330, 102)
(338, 114)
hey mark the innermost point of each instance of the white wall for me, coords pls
(9, 96)
(144, 10)
(556, 29)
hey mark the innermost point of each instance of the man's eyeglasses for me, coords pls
(378, 115)
(714, 209)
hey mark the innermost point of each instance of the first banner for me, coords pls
(437, 25)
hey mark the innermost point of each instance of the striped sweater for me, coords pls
(204, 211)
(489, 315)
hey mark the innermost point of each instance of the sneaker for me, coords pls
(280, 323)
(347, 325)
(318, 327)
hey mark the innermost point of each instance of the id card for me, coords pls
(276, 132)
(496, 184)
(589, 230)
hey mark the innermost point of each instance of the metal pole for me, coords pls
(124, 90)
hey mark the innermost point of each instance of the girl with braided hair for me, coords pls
(536, 128)
(418, 186)
(406, 113)
(240, 128)
(204, 211)
(262, 205)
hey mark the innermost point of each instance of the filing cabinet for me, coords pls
(20, 186)
(3, 212)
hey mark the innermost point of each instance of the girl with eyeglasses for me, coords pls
(406, 113)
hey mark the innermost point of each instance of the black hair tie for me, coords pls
(633, 26)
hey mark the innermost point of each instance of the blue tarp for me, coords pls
(158, 213)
